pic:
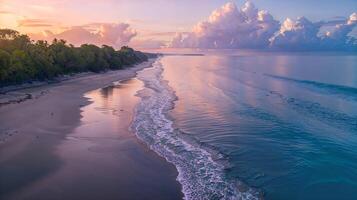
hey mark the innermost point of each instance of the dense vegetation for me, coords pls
(23, 60)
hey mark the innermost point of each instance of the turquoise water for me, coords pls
(272, 126)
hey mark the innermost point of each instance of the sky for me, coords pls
(154, 23)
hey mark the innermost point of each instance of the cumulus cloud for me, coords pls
(115, 35)
(339, 37)
(249, 27)
(302, 34)
(230, 27)
(296, 35)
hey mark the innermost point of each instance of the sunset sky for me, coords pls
(154, 23)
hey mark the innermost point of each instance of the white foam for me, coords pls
(200, 175)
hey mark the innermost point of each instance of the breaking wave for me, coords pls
(201, 169)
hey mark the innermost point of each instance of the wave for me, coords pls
(308, 108)
(311, 109)
(345, 92)
(201, 169)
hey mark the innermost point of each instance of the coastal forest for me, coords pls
(23, 60)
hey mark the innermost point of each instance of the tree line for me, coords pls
(23, 60)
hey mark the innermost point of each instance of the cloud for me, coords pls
(158, 34)
(339, 37)
(248, 27)
(302, 34)
(5, 12)
(33, 23)
(42, 8)
(230, 27)
(296, 35)
(146, 43)
(115, 35)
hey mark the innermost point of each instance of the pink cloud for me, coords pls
(230, 27)
(115, 35)
(147, 44)
(34, 23)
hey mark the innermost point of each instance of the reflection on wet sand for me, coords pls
(102, 159)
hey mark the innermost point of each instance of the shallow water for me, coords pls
(282, 126)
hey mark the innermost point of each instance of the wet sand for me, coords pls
(67, 145)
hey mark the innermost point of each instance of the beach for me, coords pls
(71, 140)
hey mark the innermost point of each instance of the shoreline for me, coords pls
(18, 93)
(30, 142)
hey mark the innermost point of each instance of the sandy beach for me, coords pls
(71, 141)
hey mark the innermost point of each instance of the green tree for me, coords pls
(112, 57)
(5, 63)
(23, 60)
(64, 56)
(21, 69)
(8, 34)
(42, 61)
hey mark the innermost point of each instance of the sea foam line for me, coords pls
(200, 175)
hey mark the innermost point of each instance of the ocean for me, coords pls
(254, 125)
